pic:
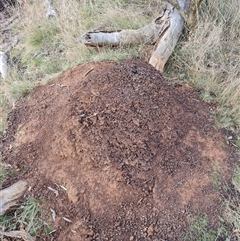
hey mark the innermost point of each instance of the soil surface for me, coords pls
(131, 157)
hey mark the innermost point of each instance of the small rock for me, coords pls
(131, 238)
(150, 230)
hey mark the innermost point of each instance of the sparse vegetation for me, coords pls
(232, 212)
(236, 179)
(216, 179)
(2, 176)
(199, 230)
(27, 217)
(5, 171)
(207, 59)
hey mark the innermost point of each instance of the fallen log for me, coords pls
(10, 196)
(146, 34)
(165, 31)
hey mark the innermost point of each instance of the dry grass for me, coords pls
(63, 34)
(232, 204)
(49, 46)
(28, 217)
(209, 59)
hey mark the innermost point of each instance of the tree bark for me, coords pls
(10, 196)
(165, 30)
(167, 41)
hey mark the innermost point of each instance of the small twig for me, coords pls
(61, 186)
(53, 190)
(53, 231)
(140, 200)
(62, 85)
(67, 220)
(233, 144)
(64, 188)
(89, 71)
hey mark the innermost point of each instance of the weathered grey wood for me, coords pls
(167, 41)
(7, 25)
(146, 34)
(10, 196)
(3, 64)
(50, 10)
(17, 234)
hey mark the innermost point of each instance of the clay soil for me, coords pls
(131, 157)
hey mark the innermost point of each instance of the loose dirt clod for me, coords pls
(135, 155)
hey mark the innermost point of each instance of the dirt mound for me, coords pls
(136, 156)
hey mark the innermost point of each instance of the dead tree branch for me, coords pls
(146, 34)
(10, 196)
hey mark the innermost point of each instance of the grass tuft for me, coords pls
(27, 217)
(236, 179)
(2, 176)
(232, 211)
(199, 230)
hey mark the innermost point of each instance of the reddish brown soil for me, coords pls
(135, 155)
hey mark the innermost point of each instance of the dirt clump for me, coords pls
(131, 157)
